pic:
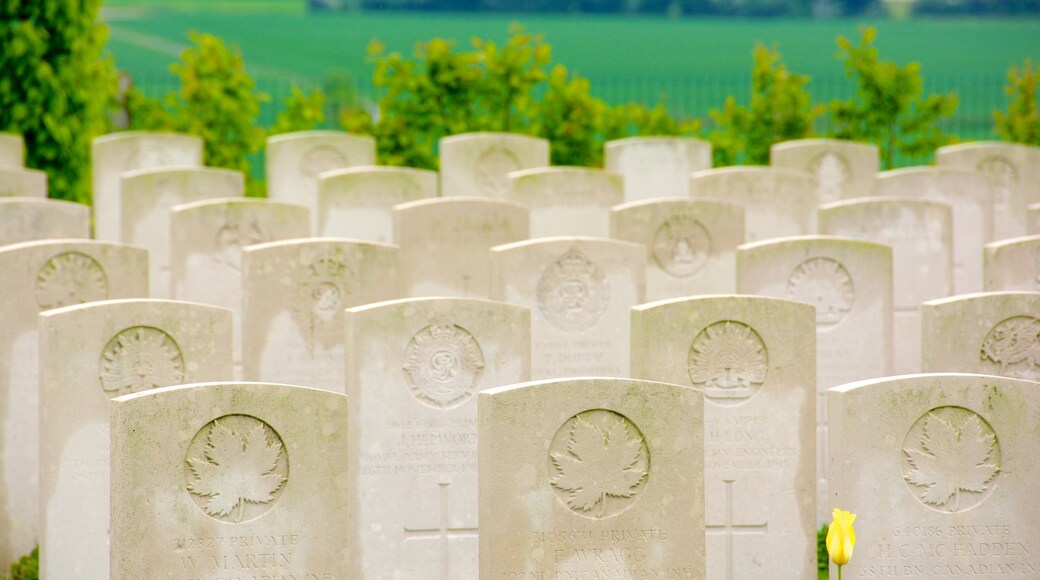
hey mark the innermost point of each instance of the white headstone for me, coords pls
(567, 201)
(89, 354)
(919, 233)
(477, 164)
(777, 202)
(843, 169)
(293, 296)
(12, 150)
(26, 219)
(114, 154)
(754, 360)
(579, 291)
(229, 480)
(295, 162)
(39, 276)
(415, 368)
(146, 201)
(445, 242)
(358, 203)
(1032, 220)
(970, 196)
(942, 472)
(656, 166)
(849, 282)
(591, 478)
(1012, 264)
(690, 244)
(20, 182)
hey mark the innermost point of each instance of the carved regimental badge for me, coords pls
(1012, 349)
(825, 284)
(951, 459)
(491, 168)
(319, 160)
(832, 174)
(236, 468)
(728, 362)
(323, 286)
(598, 463)
(233, 237)
(443, 365)
(573, 293)
(70, 278)
(681, 246)
(1003, 170)
(138, 359)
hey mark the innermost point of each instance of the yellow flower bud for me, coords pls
(841, 537)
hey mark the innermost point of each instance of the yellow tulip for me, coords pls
(841, 537)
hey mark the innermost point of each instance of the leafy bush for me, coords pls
(301, 113)
(28, 568)
(1021, 122)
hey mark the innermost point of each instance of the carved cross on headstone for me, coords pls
(729, 528)
(443, 532)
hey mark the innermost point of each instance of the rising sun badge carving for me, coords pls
(138, 359)
(728, 361)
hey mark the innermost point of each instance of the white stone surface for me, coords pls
(942, 472)
(754, 360)
(415, 368)
(690, 244)
(567, 201)
(477, 164)
(116, 153)
(579, 291)
(656, 166)
(444, 243)
(293, 297)
(229, 480)
(21, 182)
(89, 354)
(843, 169)
(358, 203)
(920, 235)
(1012, 264)
(12, 150)
(591, 478)
(26, 219)
(147, 197)
(777, 202)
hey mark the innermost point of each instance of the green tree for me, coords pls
(27, 568)
(889, 108)
(1021, 122)
(302, 112)
(780, 109)
(55, 87)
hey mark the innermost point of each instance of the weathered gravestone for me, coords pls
(293, 296)
(114, 154)
(147, 198)
(414, 370)
(12, 150)
(591, 478)
(850, 284)
(225, 481)
(207, 238)
(1012, 264)
(777, 202)
(89, 354)
(39, 276)
(295, 161)
(970, 196)
(566, 201)
(919, 234)
(20, 182)
(579, 291)
(358, 203)
(843, 169)
(477, 164)
(754, 360)
(1016, 169)
(995, 333)
(942, 471)
(1033, 220)
(690, 244)
(655, 167)
(444, 243)
(26, 219)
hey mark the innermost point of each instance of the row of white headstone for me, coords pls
(414, 367)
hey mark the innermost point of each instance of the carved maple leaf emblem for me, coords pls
(236, 470)
(600, 462)
(951, 460)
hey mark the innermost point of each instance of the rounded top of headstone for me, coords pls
(584, 241)
(954, 380)
(176, 170)
(778, 243)
(652, 139)
(366, 170)
(981, 296)
(987, 147)
(752, 170)
(843, 144)
(122, 304)
(565, 170)
(707, 298)
(236, 201)
(319, 134)
(316, 243)
(932, 170)
(879, 201)
(139, 135)
(478, 136)
(1010, 242)
(616, 382)
(461, 202)
(685, 202)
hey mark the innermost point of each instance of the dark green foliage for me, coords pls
(55, 87)
(1021, 122)
(301, 113)
(28, 568)
(822, 557)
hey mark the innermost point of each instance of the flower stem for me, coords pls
(839, 572)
